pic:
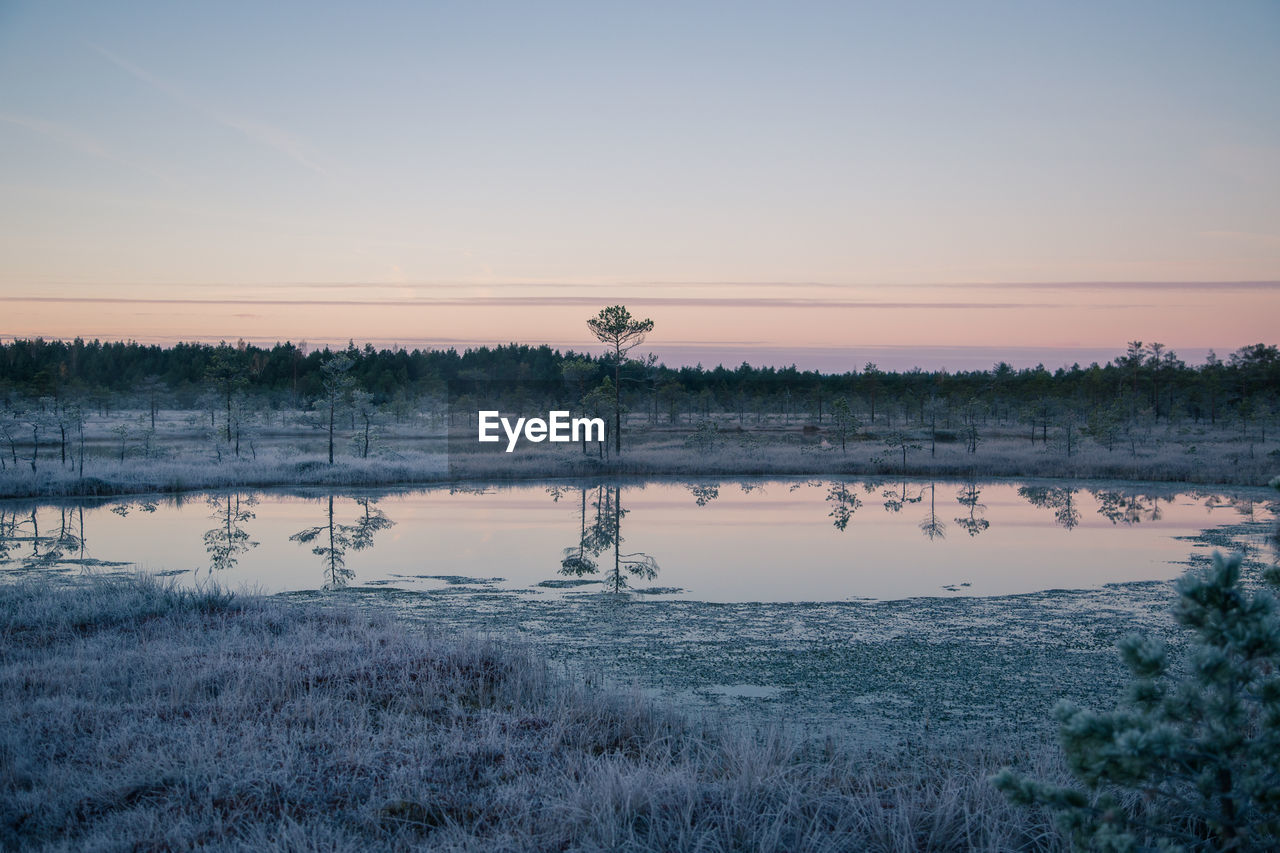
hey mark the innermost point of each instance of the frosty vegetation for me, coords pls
(1191, 757)
(93, 418)
(141, 716)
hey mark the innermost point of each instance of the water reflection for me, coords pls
(578, 560)
(8, 533)
(123, 509)
(1061, 500)
(970, 497)
(932, 526)
(1245, 505)
(228, 539)
(341, 538)
(730, 540)
(897, 497)
(844, 504)
(704, 493)
(602, 534)
(65, 540)
(50, 545)
(1127, 508)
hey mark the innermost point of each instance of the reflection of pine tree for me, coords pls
(123, 509)
(8, 530)
(1060, 500)
(1243, 504)
(66, 540)
(970, 496)
(704, 493)
(80, 537)
(1121, 508)
(371, 520)
(576, 561)
(342, 538)
(226, 541)
(606, 532)
(333, 556)
(844, 504)
(932, 526)
(47, 549)
(896, 498)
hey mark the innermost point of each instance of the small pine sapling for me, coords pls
(1190, 760)
(704, 438)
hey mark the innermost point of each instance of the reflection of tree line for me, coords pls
(1117, 506)
(48, 546)
(844, 501)
(224, 543)
(1061, 501)
(30, 538)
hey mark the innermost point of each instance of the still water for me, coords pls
(722, 541)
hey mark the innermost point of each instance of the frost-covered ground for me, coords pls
(139, 717)
(878, 673)
(123, 454)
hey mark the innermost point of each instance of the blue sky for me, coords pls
(889, 153)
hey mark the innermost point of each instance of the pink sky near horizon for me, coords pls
(718, 320)
(756, 178)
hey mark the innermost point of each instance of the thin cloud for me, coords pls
(255, 131)
(489, 301)
(546, 301)
(1255, 238)
(1216, 286)
(76, 140)
(636, 289)
(1158, 286)
(59, 133)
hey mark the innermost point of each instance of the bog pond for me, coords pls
(886, 607)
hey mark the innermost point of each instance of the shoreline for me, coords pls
(173, 477)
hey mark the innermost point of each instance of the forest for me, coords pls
(145, 417)
(1146, 379)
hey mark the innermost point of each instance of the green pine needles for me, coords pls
(1190, 759)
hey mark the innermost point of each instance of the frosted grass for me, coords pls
(136, 715)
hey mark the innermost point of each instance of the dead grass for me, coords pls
(138, 716)
(178, 459)
(1223, 462)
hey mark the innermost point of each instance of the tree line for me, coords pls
(1146, 381)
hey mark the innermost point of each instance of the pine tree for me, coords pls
(617, 329)
(844, 422)
(1196, 748)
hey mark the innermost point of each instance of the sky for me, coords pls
(932, 183)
